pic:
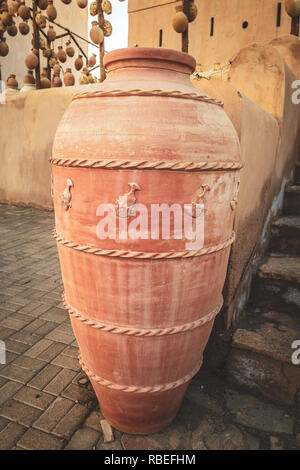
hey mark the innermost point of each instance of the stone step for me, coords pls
(291, 204)
(297, 173)
(277, 284)
(262, 358)
(285, 235)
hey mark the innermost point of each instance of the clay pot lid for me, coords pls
(152, 54)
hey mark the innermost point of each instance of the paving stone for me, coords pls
(276, 443)
(60, 382)
(196, 395)
(45, 328)
(16, 373)
(108, 435)
(252, 442)
(93, 420)
(6, 333)
(16, 411)
(71, 421)
(60, 337)
(260, 375)
(83, 381)
(8, 390)
(29, 363)
(35, 309)
(24, 337)
(66, 328)
(38, 348)
(267, 340)
(34, 326)
(9, 358)
(67, 362)
(53, 414)
(10, 435)
(57, 315)
(44, 376)
(3, 422)
(79, 394)
(13, 323)
(16, 346)
(52, 351)
(131, 442)
(3, 381)
(115, 445)
(71, 352)
(33, 439)
(254, 413)
(36, 398)
(231, 439)
(83, 439)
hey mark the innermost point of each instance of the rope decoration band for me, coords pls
(170, 165)
(144, 332)
(136, 389)
(144, 254)
(138, 92)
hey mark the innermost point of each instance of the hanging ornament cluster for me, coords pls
(70, 51)
(51, 34)
(93, 9)
(31, 60)
(96, 33)
(107, 28)
(182, 19)
(292, 7)
(3, 48)
(82, 3)
(51, 11)
(43, 13)
(78, 63)
(69, 79)
(106, 7)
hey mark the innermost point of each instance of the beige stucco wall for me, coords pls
(257, 98)
(70, 16)
(28, 122)
(146, 18)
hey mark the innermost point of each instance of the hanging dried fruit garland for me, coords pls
(43, 41)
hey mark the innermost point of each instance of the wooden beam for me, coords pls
(185, 35)
(101, 48)
(295, 26)
(36, 42)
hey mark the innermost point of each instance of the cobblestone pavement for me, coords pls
(46, 401)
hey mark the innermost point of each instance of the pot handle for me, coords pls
(199, 196)
(234, 201)
(124, 204)
(67, 195)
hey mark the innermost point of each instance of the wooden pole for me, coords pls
(295, 26)
(185, 35)
(36, 42)
(101, 49)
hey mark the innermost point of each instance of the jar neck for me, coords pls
(148, 74)
(147, 64)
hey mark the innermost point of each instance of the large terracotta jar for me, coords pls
(142, 309)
